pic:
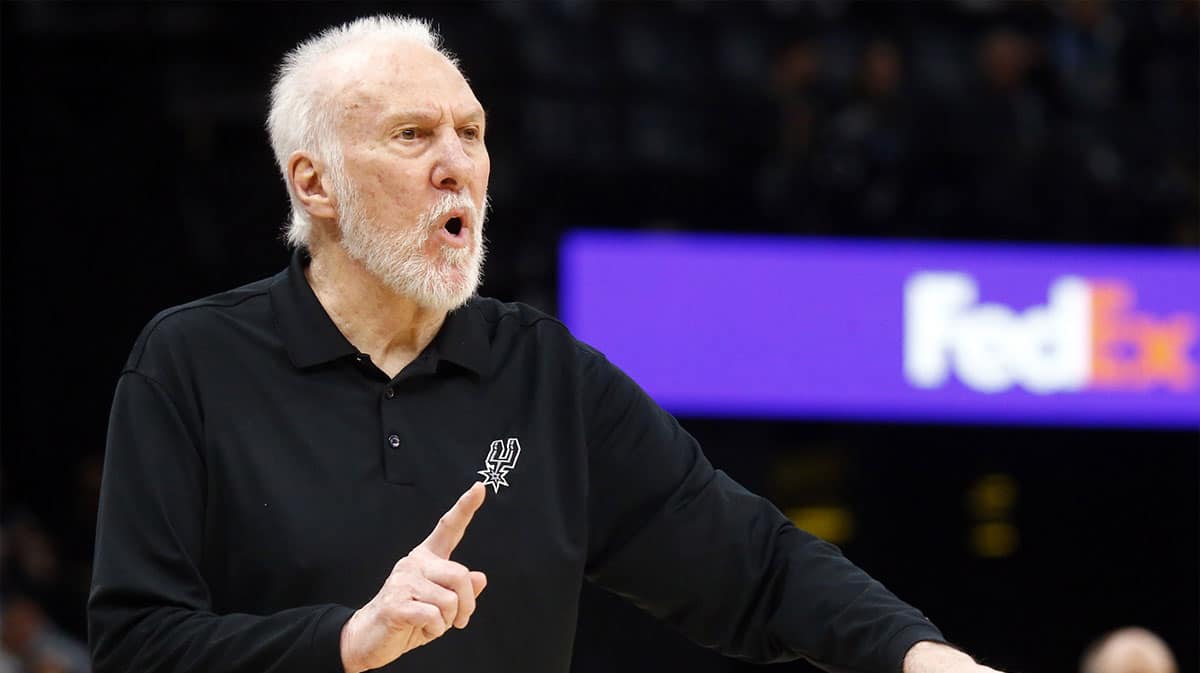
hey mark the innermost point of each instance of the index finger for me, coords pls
(450, 528)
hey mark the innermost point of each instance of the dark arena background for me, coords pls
(137, 175)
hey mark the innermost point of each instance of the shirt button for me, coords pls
(389, 393)
(394, 441)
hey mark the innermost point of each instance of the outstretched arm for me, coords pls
(723, 565)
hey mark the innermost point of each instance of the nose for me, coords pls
(452, 168)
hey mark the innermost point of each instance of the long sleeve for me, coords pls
(150, 608)
(692, 547)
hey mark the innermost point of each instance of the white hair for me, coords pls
(303, 117)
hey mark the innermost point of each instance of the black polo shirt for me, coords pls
(262, 477)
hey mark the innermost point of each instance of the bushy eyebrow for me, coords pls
(432, 116)
(476, 115)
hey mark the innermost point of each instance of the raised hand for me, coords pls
(425, 594)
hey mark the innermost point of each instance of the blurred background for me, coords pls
(137, 175)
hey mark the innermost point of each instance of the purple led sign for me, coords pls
(772, 326)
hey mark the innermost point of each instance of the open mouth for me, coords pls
(454, 232)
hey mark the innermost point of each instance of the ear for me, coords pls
(304, 178)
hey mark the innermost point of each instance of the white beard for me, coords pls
(396, 255)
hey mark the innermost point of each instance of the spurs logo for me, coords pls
(501, 458)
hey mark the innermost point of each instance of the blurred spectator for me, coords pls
(1076, 123)
(1129, 650)
(790, 187)
(1003, 131)
(870, 146)
(1092, 139)
(1158, 128)
(1085, 51)
(30, 643)
(28, 558)
(34, 567)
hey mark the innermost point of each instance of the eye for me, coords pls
(472, 133)
(407, 134)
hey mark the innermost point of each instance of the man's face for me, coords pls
(412, 191)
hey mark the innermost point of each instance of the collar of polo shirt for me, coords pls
(312, 338)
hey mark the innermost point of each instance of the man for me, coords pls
(279, 453)
(1129, 650)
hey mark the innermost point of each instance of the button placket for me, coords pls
(397, 459)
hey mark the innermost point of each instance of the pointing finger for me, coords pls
(453, 524)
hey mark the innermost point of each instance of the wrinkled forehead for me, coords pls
(368, 79)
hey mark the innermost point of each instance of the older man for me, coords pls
(279, 453)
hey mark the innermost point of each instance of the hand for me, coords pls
(931, 657)
(425, 594)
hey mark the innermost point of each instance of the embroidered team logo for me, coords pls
(501, 458)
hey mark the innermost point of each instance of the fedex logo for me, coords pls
(1088, 335)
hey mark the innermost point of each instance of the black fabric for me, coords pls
(262, 477)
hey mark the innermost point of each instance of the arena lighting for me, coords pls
(787, 327)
